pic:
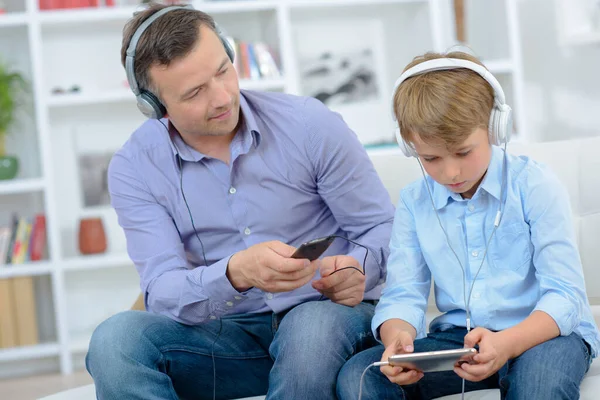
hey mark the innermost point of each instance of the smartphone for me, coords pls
(431, 361)
(313, 249)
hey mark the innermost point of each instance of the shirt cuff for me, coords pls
(385, 312)
(561, 310)
(217, 286)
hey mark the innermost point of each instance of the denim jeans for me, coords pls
(552, 370)
(292, 355)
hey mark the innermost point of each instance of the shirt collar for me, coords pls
(247, 136)
(491, 182)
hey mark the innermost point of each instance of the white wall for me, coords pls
(562, 84)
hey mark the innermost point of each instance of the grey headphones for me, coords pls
(147, 102)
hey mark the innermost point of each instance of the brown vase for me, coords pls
(92, 239)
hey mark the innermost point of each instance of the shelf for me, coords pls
(125, 95)
(262, 84)
(384, 150)
(28, 269)
(86, 98)
(84, 15)
(108, 14)
(581, 39)
(29, 352)
(218, 7)
(501, 66)
(345, 3)
(15, 186)
(13, 19)
(96, 261)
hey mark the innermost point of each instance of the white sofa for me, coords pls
(576, 163)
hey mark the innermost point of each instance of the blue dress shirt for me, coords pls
(297, 172)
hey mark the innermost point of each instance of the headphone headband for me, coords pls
(500, 123)
(130, 57)
(148, 103)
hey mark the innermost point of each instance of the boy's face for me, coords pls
(460, 169)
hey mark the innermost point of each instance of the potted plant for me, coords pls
(12, 87)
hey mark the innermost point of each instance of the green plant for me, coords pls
(12, 88)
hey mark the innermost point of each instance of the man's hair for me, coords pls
(170, 37)
(444, 106)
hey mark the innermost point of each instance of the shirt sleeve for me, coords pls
(348, 183)
(555, 258)
(186, 293)
(408, 277)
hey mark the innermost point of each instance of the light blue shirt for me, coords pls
(297, 172)
(532, 262)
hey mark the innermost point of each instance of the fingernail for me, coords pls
(408, 348)
(306, 263)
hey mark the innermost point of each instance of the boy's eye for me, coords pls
(429, 159)
(464, 153)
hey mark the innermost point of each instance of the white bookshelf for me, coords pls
(22, 185)
(63, 48)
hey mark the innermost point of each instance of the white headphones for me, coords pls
(500, 119)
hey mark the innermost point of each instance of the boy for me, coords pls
(494, 232)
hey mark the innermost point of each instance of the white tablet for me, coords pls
(431, 361)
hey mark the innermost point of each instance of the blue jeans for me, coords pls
(292, 355)
(552, 370)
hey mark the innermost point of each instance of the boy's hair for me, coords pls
(445, 106)
(170, 37)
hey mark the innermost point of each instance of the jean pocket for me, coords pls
(511, 247)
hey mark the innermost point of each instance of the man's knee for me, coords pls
(118, 336)
(315, 328)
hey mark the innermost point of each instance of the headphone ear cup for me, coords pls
(500, 124)
(150, 106)
(494, 126)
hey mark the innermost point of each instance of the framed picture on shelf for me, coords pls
(342, 63)
(93, 169)
(92, 157)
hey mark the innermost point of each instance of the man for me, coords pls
(212, 205)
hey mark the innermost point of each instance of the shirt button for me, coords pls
(471, 207)
(229, 303)
(476, 295)
(270, 296)
(238, 297)
(232, 190)
(247, 231)
(213, 317)
(474, 253)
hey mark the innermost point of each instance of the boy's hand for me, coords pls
(402, 343)
(346, 287)
(493, 354)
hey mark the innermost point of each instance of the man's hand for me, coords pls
(401, 343)
(345, 287)
(493, 354)
(268, 266)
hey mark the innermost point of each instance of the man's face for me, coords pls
(460, 169)
(200, 90)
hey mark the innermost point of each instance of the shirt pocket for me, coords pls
(511, 248)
